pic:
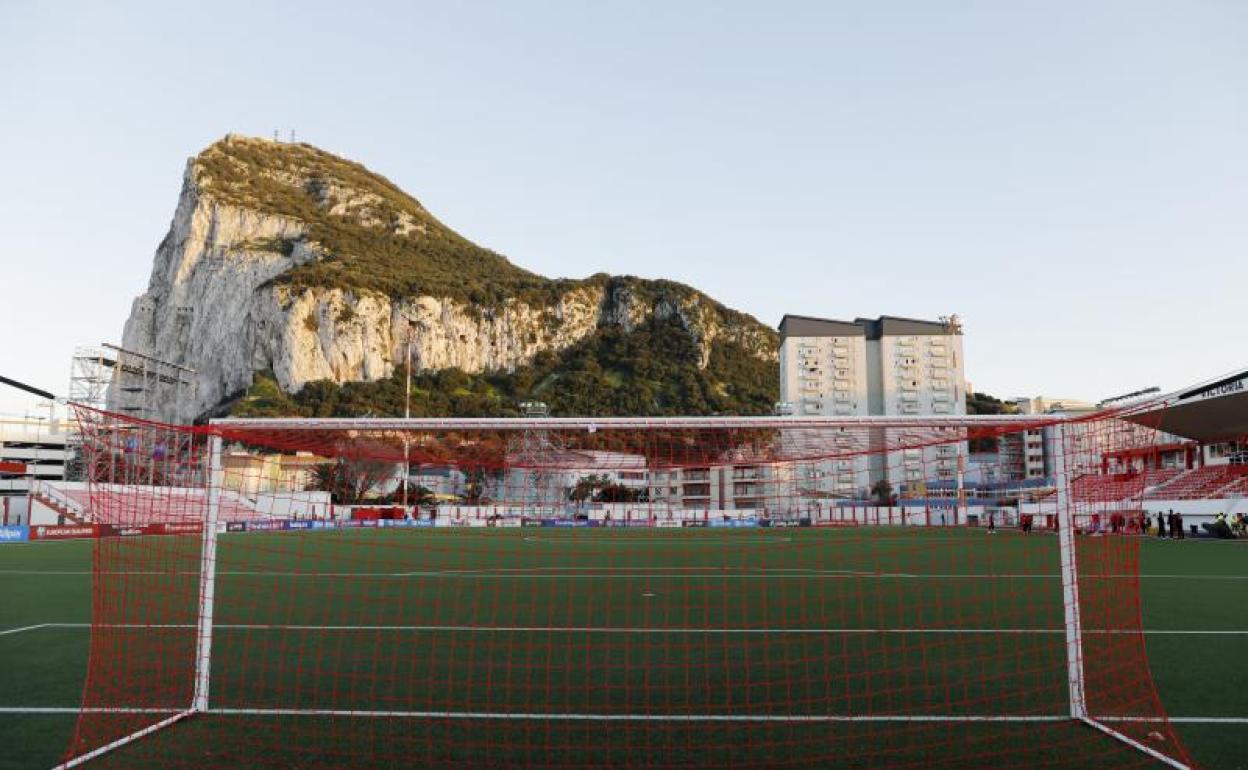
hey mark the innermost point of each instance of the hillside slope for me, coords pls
(291, 280)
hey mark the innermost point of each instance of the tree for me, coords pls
(474, 491)
(601, 489)
(349, 481)
(982, 403)
(586, 487)
(618, 493)
(883, 492)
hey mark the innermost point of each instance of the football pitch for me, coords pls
(746, 648)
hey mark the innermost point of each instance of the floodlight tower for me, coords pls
(535, 449)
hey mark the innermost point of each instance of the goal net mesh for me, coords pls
(667, 594)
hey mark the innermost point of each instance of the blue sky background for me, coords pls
(1070, 177)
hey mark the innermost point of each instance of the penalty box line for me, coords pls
(690, 630)
(615, 573)
(584, 717)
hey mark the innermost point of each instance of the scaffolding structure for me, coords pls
(110, 378)
(534, 452)
(149, 388)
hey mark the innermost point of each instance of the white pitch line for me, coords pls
(364, 713)
(564, 716)
(718, 541)
(87, 710)
(767, 573)
(8, 631)
(1179, 720)
(624, 629)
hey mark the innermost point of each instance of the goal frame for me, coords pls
(1069, 569)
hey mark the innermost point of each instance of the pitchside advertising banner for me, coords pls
(14, 533)
(65, 532)
(733, 522)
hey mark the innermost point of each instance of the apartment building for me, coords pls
(762, 487)
(887, 366)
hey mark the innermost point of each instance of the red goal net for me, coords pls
(679, 593)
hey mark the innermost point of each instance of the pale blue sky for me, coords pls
(1070, 177)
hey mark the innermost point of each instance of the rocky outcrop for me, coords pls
(215, 303)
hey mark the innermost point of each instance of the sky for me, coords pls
(1071, 178)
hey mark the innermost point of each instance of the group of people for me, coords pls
(1227, 527)
(1170, 525)
(1172, 521)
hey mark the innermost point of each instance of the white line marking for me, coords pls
(1180, 720)
(615, 573)
(640, 541)
(624, 629)
(563, 716)
(122, 741)
(1133, 743)
(87, 710)
(8, 631)
(35, 710)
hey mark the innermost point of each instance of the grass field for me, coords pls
(670, 625)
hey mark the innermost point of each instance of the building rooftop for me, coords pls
(871, 328)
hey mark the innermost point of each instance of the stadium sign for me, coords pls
(178, 528)
(51, 532)
(261, 526)
(14, 533)
(1234, 384)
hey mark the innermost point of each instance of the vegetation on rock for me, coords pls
(364, 234)
(651, 371)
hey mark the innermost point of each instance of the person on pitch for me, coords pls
(1161, 524)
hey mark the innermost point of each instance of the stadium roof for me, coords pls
(1216, 410)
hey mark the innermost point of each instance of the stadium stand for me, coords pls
(1097, 488)
(129, 504)
(1211, 481)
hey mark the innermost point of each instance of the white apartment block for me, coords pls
(886, 366)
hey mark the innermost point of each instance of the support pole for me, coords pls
(407, 415)
(1070, 575)
(207, 578)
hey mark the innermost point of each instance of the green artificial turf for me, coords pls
(862, 621)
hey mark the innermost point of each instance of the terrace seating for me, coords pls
(1211, 481)
(1098, 488)
(138, 505)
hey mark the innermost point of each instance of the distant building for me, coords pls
(762, 487)
(1049, 405)
(887, 366)
(37, 447)
(251, 474)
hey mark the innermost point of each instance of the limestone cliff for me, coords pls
(284, 258)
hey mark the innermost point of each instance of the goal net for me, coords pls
(666, 593)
